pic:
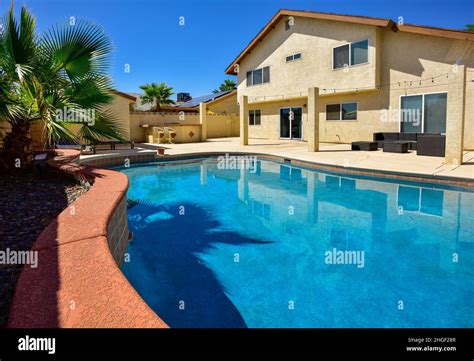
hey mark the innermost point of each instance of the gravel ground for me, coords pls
(28, 203)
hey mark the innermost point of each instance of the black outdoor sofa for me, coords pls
(431, 144)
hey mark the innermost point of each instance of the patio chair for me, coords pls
(170, 134)
(158, 135)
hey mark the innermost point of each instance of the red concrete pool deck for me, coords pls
(77, 282)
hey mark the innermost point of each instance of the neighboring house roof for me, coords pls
(124, 95)
(138, 103)
(204, 99)
(229, 94)
(364, 20)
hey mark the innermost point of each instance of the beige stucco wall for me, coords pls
(121, 107)
(401, 57)
(269, 127)
(218, 125)
(315, 40)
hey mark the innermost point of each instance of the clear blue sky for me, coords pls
(192, 58)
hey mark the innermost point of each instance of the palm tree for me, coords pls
(157, 95)
(62, 71)
(228, 84)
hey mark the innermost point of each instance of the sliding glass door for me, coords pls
(425, 113)
(435, 111)
(411, 114)
(291, 123)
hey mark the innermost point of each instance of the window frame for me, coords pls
(253, 111)
(350, 52)
(292, 56)
(422, 108)
(340, 46)
(340, 112)
(251, 77)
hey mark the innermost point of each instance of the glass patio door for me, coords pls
(291, 123)
(424, 113)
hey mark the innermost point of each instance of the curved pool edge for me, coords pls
(117, 160)
(78, 282)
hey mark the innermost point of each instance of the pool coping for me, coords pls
(78, 282)
(117, 159)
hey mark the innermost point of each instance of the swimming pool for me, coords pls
(273, 245)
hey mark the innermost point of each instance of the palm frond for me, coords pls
(106, 127)
(18, 45)
(77, 49)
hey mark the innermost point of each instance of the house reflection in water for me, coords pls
(353, 213)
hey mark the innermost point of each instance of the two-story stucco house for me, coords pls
(320, 77)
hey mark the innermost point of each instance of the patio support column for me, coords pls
(203, 121)
(313, 120)
(244, 123)
(455, 115)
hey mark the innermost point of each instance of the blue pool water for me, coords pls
(218, 247)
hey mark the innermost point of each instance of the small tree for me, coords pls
(228, 84)
(46, 75)
(470, 27)
(157, 95)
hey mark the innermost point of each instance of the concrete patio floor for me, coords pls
(329, 154)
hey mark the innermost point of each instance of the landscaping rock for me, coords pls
(28, 203)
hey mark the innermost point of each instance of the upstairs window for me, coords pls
(293, 57)
(341, 56)
(258, 76)
(351, 54)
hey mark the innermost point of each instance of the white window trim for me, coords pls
(422, 108)
(350, 51)
(340, 112)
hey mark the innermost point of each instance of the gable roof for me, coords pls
(203, 99)
(364, 20)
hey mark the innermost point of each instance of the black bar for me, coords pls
(139, 341)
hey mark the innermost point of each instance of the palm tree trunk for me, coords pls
(158, 107)
(16, 148)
